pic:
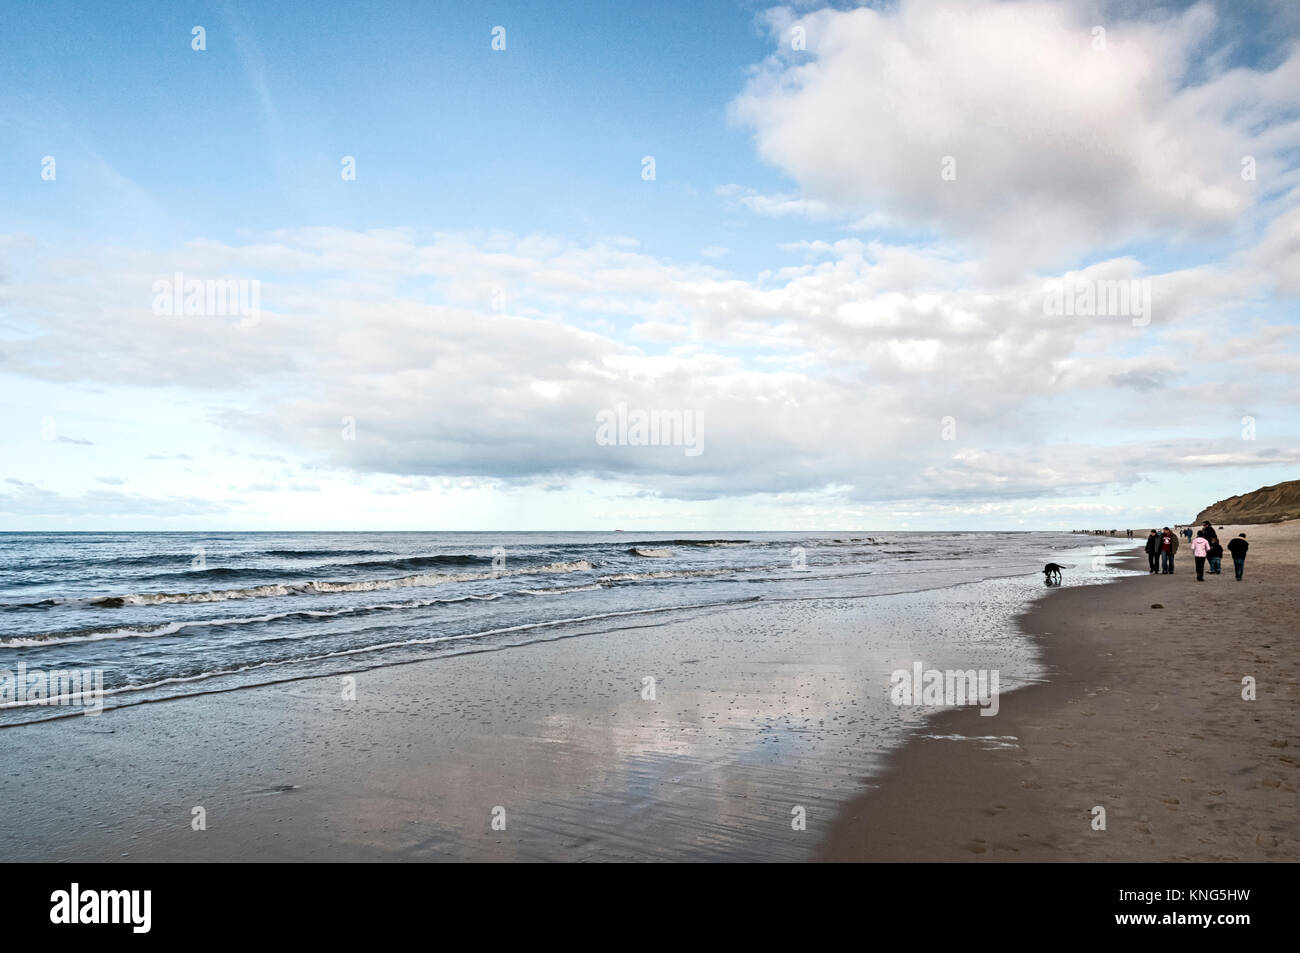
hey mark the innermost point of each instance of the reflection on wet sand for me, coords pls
(759, 714)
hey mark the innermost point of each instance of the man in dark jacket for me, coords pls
(1153, 551)
(1238, 549)
(1216, 556)
(1168, 546)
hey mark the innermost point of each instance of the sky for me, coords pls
(330, 266)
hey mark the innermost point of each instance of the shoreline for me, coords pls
(1141, 714)
(760, 708)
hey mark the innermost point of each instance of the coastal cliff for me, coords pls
(1269, 504)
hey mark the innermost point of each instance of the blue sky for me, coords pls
(247, 136)
(799, 274)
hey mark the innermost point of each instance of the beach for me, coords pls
(1141, 714)
(735, 730)
(754, 731)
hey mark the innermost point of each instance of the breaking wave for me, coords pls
(172, 628)
(316, 586)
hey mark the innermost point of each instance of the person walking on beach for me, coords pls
(1215, 555)
(1238, 549)
(1168, 545)
(1200, 550)
(1153, 551)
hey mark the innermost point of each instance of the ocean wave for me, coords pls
(650, 553)
(40, 604)
(317, 586)
(417, 562)
(560, 590)
(173, 628)
(626, 543)
(318, 553)
(679, 573)
(699, 542)
(375, 565)
(212, 572)
(180, 560)
(404, 643)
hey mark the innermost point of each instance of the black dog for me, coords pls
(1052, 574)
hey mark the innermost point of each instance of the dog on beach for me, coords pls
(1052, 574)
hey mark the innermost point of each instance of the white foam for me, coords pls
(404, 643)
(361, 585)
(171, 628)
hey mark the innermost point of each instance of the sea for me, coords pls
(164, 615)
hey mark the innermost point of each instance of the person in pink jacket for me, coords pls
(1200, 549)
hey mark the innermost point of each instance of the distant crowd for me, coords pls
(1162, 547)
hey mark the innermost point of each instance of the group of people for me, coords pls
(1162, 547)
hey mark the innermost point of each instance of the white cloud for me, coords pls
(775, 205)
(1060, 147)
(833, 371)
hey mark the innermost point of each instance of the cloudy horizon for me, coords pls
(903, 266)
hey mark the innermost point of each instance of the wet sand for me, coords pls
(760, 711)
(1142, 715)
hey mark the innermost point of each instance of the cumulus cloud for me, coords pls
(385, 353)
(1059, 139)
